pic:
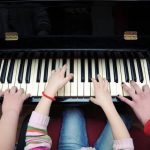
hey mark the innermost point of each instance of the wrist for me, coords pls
(11, 112)
(51, 93)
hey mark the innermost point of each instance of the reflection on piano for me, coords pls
(28, 62)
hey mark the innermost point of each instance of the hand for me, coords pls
(13, 100)
(102, 94)
(1, 93)
(140, 100)
(57, 80)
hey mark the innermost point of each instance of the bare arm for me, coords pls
(140, 100)
(55, 82)
(103, 99)
(11, 108)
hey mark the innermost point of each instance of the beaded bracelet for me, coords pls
(49, 97)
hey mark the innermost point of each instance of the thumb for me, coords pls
(92, 99)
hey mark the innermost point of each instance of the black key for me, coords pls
(21, 71)
(46, 70)
(115, 70)
(148, 66)
(0, 62)
(82, 71)
(89, 70)
(53, 64)
(141, 78)
(72, 68)
(28, 73)
(64, 61)
(4, 69)
(126, 70)
(96, 69)
(11, 70)
(107, 70)
(133, 74)
(39, 71)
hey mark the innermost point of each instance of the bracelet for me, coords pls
(49, 97)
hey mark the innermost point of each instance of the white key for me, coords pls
(129, 69)
(23, 84)
(123, 76)
(119, 84)
(32, 87)
(137, 73)
(144, 76)
(49, 68)
(1, 85)
(87, 87)
(67, 86)
(41, 85)
(61, 91)
(100, 67)
(74, 84)
(57, 64)
(103, 68)
(93, 76)
(17, 84)
(14, 74)
(104, 71)
(146, 72)
(5, 84)
(80, 84)
(113, 88)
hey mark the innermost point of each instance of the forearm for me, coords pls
(118, 127)
(8, 129)
(44, 104)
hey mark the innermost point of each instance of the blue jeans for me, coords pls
(73, 134)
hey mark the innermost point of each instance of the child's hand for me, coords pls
(102, 94)
(140, 100)
(57, 81)
(1, 93)
(13, 100)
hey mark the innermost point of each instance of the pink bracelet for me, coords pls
(49, 97)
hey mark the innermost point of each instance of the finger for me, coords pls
(13, 90)
(20, 91)
(64, 68)
(25, 96)
(53, 71)
(129, 90)
(145, 88)
(6, 91)
(100, 79)
(92, 99)
(1, 93)
(58, 69)
(105, 83)
(136, 87)
(126, 100)
(95, 83)
(94, 80)
(68, 78)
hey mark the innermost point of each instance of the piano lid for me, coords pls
(74, 24)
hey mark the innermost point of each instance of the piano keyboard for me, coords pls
(32, 74)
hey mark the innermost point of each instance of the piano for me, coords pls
(107, 38)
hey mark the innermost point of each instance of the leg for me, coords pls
(105, 141)
(73, 134)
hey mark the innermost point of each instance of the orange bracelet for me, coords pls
(49, 97)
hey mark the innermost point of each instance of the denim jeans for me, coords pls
(73, 134)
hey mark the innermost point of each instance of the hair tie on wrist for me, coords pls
(49, 97)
